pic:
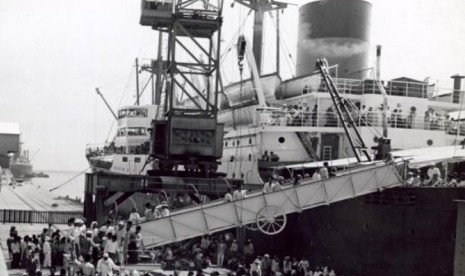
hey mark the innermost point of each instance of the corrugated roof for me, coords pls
(9, 128)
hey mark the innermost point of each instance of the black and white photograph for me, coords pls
(232, 137)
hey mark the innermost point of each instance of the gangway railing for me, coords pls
(268, 210)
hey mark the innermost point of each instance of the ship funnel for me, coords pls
(337, 30)
(458, 93)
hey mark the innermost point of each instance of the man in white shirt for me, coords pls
(267, 186)
(228, 196)
(237, 195)
(107, 228)
(47, 250)
(316, 176)
(432, 171)
(105, 266)
(324, 171)
(134, 216)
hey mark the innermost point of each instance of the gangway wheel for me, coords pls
(271, 220)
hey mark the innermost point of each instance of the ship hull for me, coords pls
(21, 170)
(404, 231)
(401, 231)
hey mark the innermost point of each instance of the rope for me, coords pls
(69, 180)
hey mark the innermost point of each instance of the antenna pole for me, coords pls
(137, 82)
(277, 43)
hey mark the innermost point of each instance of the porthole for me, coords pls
(429, 142)
(281, 140)
(250, 157)
(250, 141)
(233, 175)
(231, 159)
(242, 175)
(376, 139)
(238, 142)
(226, 143)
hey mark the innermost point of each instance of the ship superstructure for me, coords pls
(283, 127)
(128, 152)
(298, 123)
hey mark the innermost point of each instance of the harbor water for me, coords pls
(62, 183)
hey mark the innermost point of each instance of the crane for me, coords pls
(189, 135)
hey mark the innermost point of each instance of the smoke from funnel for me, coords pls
(337, 30)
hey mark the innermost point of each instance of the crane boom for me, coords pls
(342, 111)
(106, 103)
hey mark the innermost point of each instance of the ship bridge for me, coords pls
(267, 211)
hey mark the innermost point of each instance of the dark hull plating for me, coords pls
(404, 231)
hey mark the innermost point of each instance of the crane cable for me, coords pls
(69, 180)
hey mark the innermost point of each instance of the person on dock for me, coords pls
(111, 246)
(47, 251)
(86, 268)
(220, 251)
(15, 248)
(105, 266)
(71, 231)
(107, 227)
(33, 263)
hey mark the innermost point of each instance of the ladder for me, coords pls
(305, 138)
(344, 114)
(268, 211)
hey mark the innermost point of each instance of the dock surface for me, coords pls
(34, 198)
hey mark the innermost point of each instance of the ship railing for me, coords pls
(295, 118)
(370, 86)
(95, 150)
(102, 149)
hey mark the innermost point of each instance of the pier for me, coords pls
(30, 208)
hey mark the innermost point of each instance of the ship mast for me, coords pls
(260, 7)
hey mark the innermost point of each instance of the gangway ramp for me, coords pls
(268, 210)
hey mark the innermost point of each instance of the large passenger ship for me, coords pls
(275, 126)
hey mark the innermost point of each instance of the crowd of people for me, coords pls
(77, 250)
(433, 177)
(301, 115)
(223, 250)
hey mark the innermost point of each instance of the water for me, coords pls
(74, 188)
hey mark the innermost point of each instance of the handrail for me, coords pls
(219, 215)
(299, 118)
(33, 216)
(368, 86)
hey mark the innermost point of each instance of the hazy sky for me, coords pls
(53, 53)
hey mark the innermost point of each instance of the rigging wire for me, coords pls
(289, 58)
(69, 180)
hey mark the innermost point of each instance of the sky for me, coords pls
(54, 53)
